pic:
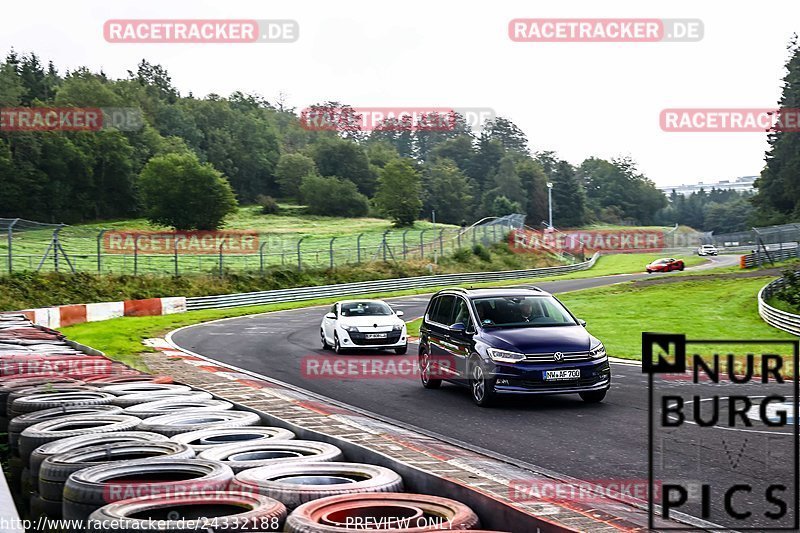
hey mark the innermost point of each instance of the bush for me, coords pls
(481, 251)
(462, 255)
(790, 293)
(178, 191)
(269, 206)
(332, 196)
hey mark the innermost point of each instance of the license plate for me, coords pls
(375, 335)
(553, 375)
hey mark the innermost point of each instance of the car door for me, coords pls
(439, 331)
(459, 343)
(329, 324)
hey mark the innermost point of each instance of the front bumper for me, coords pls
(354, 339)
(522, 378)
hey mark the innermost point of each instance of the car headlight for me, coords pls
(349, 328)
(503, 356)
(598, 351)
(397, 327)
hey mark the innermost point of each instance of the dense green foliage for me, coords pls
(178, 191)
(265, 148)
(778, 199)
(720, 211)
(333, 196)
(398, 195)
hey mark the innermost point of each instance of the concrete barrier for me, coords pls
(68, 315)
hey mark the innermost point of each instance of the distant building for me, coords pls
(743, 184)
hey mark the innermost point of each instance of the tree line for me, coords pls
(195, 159)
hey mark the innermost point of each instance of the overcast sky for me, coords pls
(578, 99)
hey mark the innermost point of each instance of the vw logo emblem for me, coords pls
(558, 356)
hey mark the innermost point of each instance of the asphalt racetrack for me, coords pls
(562, 434)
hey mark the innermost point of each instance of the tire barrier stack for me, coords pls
(120, 450)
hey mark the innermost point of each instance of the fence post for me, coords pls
(175, 254)
(441, 242)
(299, 259)
(458, 238)
(221, 244)
(494, 233)
(474, 235)
(385, 233)
(261, 256)
(422, 243)
(405, 248)
(358, 248)
(10, 241)
(136, 255)
(99, 251)
(330, 248)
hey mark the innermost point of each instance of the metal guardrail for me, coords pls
(760, 257)
(365, 287)
(775, 317)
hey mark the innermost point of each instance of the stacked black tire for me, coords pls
(126, 449)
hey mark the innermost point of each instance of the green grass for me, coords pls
(707, 309)
(412, 327)
(279, 234)
(608, 265)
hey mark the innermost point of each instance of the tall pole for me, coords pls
(550, 204)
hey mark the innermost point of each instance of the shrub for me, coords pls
(333, 196)
(269, 206)
(178, 191)
(481, 251)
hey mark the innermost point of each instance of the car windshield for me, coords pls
(661, 262)
(366, 309)
(522, 311)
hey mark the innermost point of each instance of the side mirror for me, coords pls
(582, 322)
(458, 327)
(399, 313)
(331, 316)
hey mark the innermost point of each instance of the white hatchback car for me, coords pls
(367, 324)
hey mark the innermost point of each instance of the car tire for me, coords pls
(55, 470)
(294, 484)
(206, 439)
(337, 347)
(240, 456)
(34, 436)
(176, 405)
(256, 512)
(595, 396)
(402, 350)
(682, 267)
(91, 488)
(18, 424)
(425, 371)
(481, 387)
(70, 444)
(186, 421)
(309, 517)
(325, 345)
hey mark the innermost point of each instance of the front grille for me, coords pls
(569, 357)
(392, 337)
(560, 384)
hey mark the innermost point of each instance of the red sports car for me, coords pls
(666, 264)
